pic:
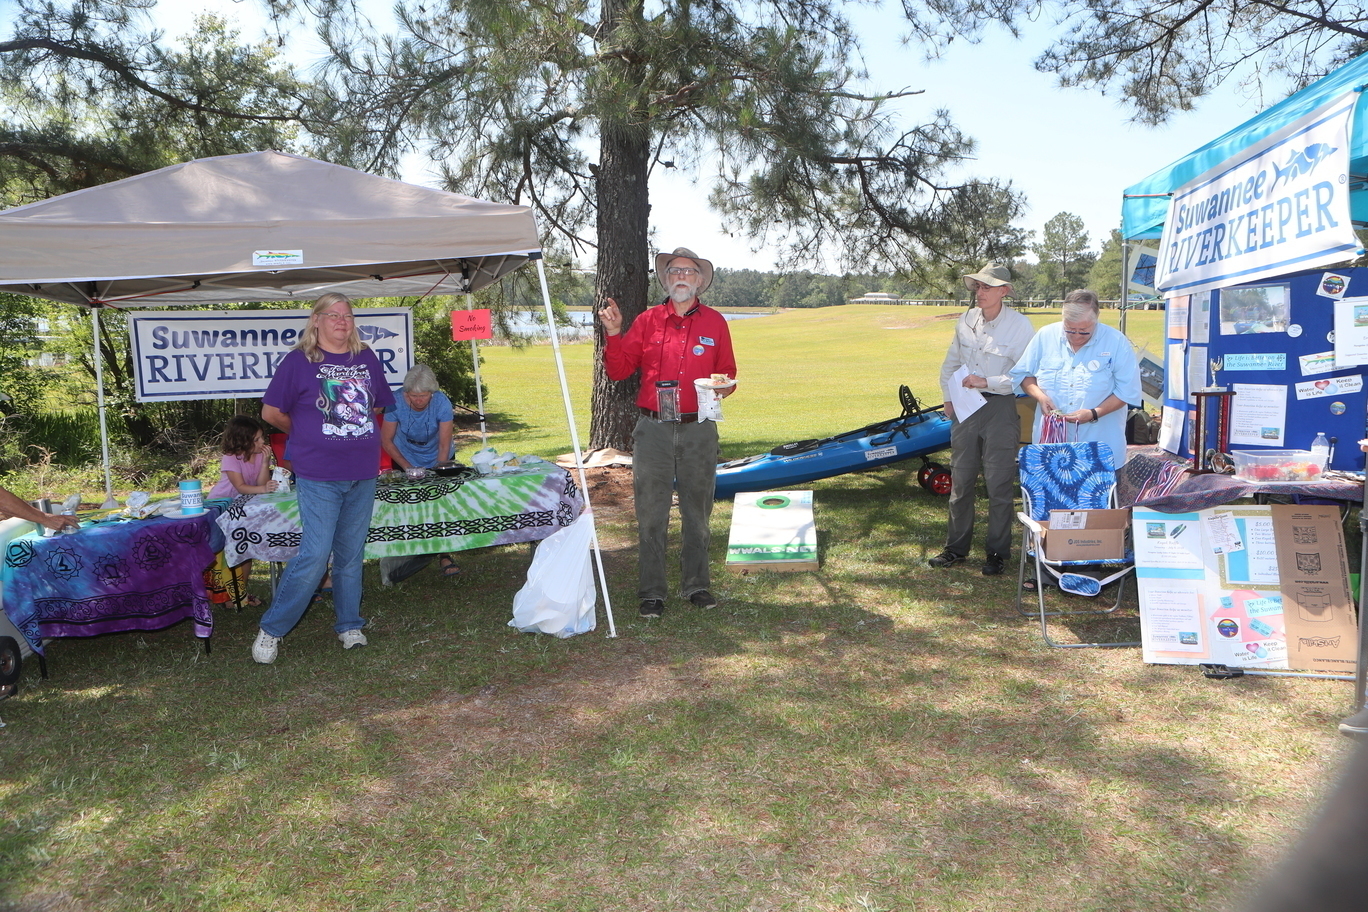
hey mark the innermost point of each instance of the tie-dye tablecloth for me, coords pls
(111, 577)
(430, 516)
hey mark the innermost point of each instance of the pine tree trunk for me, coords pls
(623, 269)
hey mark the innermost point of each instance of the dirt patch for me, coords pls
(610, 489)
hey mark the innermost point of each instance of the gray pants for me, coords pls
(668, 456)
(986, 442)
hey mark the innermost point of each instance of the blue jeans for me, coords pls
(336, 516)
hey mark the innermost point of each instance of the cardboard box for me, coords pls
(1086, 534)
(1026, 409)
(1313, 571)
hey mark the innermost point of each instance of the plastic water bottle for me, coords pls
(1320, 450)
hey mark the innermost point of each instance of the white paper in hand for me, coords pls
(965, 401)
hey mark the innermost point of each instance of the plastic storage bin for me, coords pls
(1278, 465)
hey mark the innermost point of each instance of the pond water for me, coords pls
(527, 323)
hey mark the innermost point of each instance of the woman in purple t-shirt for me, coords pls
(327, 395)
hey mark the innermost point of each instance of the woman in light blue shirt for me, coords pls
(417, 432)
(1085, 371)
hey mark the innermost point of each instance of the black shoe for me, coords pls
(703, 599)
(652, 608)
(1356, 726)
(994, 565)
(945, 559)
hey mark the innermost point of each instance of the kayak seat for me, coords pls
(798, 446)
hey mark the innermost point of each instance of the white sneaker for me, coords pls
(265, 647)
(352, 638)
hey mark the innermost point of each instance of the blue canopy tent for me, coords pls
(1145, 204)
(1275, 358)
(1145, 208)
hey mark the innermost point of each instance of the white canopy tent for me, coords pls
(266, 226)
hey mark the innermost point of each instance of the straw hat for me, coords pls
(990, 274)
(705, 268)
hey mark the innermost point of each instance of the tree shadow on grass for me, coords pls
(875, 733)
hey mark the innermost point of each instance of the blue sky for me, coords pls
(1068, 150)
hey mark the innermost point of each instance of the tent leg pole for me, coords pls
(1125, 280)
(479, 393)
(110, 503)
(574, 440)
(1361, 664)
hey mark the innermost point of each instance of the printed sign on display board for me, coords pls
(1275, 207)
(199, 354)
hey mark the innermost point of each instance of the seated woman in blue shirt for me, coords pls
(1084, 371)
(418, 431)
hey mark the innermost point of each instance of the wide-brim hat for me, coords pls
(991, 274)
(705, 268)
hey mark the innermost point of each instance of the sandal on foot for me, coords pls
(1030, 585)
(251, 601)
(448, 566)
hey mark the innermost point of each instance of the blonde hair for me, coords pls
(308, 340)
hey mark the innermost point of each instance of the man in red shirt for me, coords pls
(673, 345)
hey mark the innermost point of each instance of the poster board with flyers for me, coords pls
(1247, 586)
(1293, 350)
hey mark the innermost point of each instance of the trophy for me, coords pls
(1216, 365)
(1207, 460)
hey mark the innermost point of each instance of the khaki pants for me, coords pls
(670, 457)
(986, 443)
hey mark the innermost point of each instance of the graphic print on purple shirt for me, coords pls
(345, 398)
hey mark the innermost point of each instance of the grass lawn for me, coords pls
(872, 736)
(803, 373)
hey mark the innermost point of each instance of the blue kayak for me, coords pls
(916, 432)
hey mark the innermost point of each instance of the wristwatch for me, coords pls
(1094, 420)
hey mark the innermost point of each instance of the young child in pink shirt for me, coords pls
(244, 469)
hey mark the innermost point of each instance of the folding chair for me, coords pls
(1067, 476)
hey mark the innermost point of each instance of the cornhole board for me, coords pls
(772, 530)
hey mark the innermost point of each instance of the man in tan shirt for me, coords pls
(989, 338)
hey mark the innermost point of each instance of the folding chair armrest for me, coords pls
(1031, 524)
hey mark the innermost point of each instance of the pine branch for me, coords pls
(129, 74)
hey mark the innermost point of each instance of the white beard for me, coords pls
(682, 294)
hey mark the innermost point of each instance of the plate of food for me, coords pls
(716, 381)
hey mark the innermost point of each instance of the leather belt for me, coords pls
(999, 395)
(686, 418)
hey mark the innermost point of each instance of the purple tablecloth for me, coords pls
(111, 577)
(1140, 483)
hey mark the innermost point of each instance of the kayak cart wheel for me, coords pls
(924, 473)
(937, 479)
(11, 665)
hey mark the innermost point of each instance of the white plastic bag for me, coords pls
(559, 596)
(709, 402)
